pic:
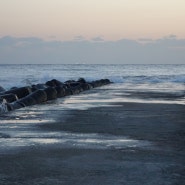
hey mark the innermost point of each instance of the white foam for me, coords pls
(3, 107)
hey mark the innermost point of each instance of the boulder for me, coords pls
(85, 86)
(74, 84)
(76, 89)
(34, 98)
(38, 86)
(60, 91)
(39, 96)
(54, 83)
(68, 92)
(20, 92)
(51, 93)
(81, 80)
(9, 97)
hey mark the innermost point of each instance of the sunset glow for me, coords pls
(109, 19)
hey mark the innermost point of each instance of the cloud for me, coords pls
(145, 40)
(7, 40)
(79, 38)
(170, 36)
(125, 51)
(52, 37)
(97, 39)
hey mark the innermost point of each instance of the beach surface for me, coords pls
(120, 143)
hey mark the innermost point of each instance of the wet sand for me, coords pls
(162, 162)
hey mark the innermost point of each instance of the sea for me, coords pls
(131, 83)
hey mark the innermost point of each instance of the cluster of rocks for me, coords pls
(16, 98)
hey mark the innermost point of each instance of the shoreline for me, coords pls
(162, 162)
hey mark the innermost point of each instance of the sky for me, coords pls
(106, 21)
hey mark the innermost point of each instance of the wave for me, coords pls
(21, 75)
(148, 79)
(18, 82)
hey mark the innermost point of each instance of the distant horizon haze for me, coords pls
(33, 50)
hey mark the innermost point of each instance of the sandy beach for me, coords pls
(92, 92)
(156, 157)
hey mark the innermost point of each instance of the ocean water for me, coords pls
(20, 75)
(131, 83)
(126, 78)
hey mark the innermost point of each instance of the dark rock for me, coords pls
(20, 92)
(85, 86)
(68, 91)
(105, 81)
(66, 86)
(74, 84)
(69, 81)
(90, 86)
(58, 83)
(9, 97)
(9, 107)
(54, 83)
(15, 105)
(26, 101)
(81, 80)
(39, 96)
(39, 86)
(76, 89)
(34, 98)
(60, 91)
(96, 83)
(51, 93)
(50, 83)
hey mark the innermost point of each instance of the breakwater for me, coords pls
(16, 98)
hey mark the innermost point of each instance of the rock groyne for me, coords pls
(16, 98)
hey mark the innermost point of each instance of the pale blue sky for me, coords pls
(110, 19)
